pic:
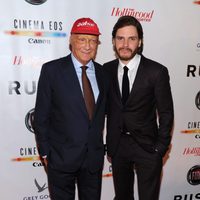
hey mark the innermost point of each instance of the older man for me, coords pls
(69, 117)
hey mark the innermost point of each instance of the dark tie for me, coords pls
(125, 86)
(87, 93)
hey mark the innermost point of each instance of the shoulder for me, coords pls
(111, 63)
(53, 64)
(99, 69)
(152, 64)
(111, 66)
(97, 65)
(152, 67)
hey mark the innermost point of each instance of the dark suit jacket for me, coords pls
(62, 127)
(150, 97)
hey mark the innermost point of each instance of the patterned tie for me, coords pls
(87, 93)
(125, 86)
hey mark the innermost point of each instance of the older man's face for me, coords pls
(84, 47)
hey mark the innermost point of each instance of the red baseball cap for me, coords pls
(85, 26)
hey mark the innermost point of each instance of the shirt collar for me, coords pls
(77, 64)
(133, 63)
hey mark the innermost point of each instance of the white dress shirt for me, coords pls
(132, 66)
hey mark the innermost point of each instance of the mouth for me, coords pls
(125, 50)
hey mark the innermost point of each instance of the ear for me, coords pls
(70, 39)
(113, 41)
(140, 43)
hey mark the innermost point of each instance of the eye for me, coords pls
(93, 41)
(133, 38)
(119, 38)
(82, 40)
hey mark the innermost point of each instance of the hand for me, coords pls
(44, 160)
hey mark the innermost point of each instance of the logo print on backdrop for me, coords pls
(29, 120)
(140, 15)
(198, 45)
(193, 175)
(191, 151)
(36, 2)
(40, 188)
(197, 2)
(197, 100)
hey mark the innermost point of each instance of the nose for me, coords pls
(87, 44)
(126, 42)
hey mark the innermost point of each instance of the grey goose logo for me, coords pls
(197, 100)
(40, 188)
(36, 2)
(29, 120)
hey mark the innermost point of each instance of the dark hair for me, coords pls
(129, 21)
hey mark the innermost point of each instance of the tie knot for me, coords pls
(84, 68)
(125, 69)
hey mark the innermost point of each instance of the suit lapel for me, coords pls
(101, 87)
(72, 84)
(116, 84)
(138, 78)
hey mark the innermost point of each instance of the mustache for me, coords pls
(125, 48)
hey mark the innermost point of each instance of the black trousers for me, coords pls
(130, 158)
(62, 185)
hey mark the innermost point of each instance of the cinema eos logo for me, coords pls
(28, 154)
(193, 175)
(193, 127)
(37, 31)
(36, 2)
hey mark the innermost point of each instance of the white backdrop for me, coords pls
(33, 34)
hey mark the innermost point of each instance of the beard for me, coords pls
(125, 57)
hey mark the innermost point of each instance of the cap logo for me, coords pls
(86, 23)
(85, 26)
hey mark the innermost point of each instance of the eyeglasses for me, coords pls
(84, 41)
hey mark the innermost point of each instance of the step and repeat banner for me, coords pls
(35, 31)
